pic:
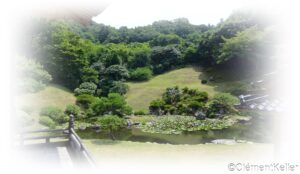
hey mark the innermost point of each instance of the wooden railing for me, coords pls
(77, 145)
(74, 140)
(63, 134)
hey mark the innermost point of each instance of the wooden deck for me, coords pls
(59, 148)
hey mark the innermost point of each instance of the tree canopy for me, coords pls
(73, 53)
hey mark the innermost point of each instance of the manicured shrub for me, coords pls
(195, 105)
(99, 107)
(72, 109)
(117, 72)
(140, 112)
(85, 100)
(119, 87)
(203, 81)
(180, 101)
(46, 121)
(113, 104)
(141, 74)
(222, 103)
(56, 114)
(111, 123)
(86, 88)
(156, 107)
(172, 95)
(118, 104)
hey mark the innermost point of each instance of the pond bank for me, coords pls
(255, 130)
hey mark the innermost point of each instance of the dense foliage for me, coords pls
(74, 110)
(193, 102)
(73, 53)
(113, 104)
(86, 88)
(33, 76)
(52, 116)
(85, 100)
(222, 103)
(96, 60)
(141, 74)
(111, 123)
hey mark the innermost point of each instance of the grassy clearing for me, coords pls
(52, 95)
(141, 94)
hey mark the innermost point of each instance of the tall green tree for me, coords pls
(63, 53)
(165, 58)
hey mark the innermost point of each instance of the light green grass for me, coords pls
(107, 149)
(140, 94)
(52, 95)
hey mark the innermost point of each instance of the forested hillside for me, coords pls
(107, 56)
(97, 62)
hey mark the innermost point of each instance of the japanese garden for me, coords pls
(167, 84)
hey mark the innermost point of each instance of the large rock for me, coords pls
(200, 115)
(224, 141)
(96, 126)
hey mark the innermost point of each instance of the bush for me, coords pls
(225, 99)
(46, 121)
(156, 106)
(119, 87)
(118, 105)
(113, 104)
(222, 103)
(140, 112)
(85, 100)
(203, 81)
(99, 107)
(72, 109)
(117, 72)
(86, 88)
(195, 105)
(33, 76)
(141, 74)
(180, 101)
(56, 114)
(111, 123)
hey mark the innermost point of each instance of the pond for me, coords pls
(258, 129)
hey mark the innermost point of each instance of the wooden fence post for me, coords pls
(71, 123)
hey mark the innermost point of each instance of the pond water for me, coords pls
(258, 129)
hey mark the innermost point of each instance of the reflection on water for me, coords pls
(259, 129)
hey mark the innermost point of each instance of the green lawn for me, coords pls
(52, 95)
(131, 152)
(141, 94)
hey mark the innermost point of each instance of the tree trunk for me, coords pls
(112, 135)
